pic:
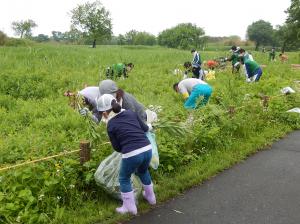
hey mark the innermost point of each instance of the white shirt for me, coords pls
(186, 86)
(91, 93)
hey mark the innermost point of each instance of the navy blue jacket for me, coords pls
(126, 132)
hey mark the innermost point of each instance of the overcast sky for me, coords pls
(216, 17)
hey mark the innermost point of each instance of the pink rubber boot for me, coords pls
(148, 194)
(128, 204)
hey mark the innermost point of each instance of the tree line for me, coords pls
(91, 23)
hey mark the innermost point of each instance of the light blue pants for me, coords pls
(198, 91)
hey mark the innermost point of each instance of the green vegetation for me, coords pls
(36, 121)
(24, 28)
(93, 20)
(182, 36)
(261, 33)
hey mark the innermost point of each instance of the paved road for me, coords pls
(264, 189)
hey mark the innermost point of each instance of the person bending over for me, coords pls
(127, 135)
(191, 89)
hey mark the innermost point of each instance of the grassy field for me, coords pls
(36, 121)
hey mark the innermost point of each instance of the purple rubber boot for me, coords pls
(128, 204)
(148, 194)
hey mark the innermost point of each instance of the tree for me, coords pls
(261, 32)
(93, 19)
(121, 40)
(184, 36)
(41, 38)
(57, 35)
(144, 38)
(289, 33)
(134, 37)
(24, 28)
(129, 36)
(73, 36)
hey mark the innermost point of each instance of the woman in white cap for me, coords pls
(126, 100)
(126, 132)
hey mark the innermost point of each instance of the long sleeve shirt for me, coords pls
(130, 103)
(251, 67)
(90, 95)
(196, 62)
(186, 86)
(127, 132)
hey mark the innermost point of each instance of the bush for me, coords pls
(14, 42)
(3, 38)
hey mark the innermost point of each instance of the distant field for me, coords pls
(36, 120)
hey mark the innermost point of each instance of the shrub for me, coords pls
(15, 42)
(3, 38)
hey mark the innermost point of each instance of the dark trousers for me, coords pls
(196, 72)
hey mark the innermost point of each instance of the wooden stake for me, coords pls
(265, 100)
(85, 152)
(231, 111)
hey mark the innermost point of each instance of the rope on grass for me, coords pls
(231, 111)
(42, 159)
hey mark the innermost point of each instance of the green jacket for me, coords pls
(234, 58)
(251, 67)
(119, 69)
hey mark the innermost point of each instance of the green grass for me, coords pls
(36, 121)
(170, 186)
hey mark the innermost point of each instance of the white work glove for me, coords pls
(84, 111)
(150, 127)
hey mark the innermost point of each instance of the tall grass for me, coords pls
(36, 121)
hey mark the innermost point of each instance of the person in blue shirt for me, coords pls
(196, 64)
(126, 132)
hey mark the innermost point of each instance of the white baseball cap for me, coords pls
(104, 102)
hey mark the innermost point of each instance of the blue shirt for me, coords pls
(126, 132)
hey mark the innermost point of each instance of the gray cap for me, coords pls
(107, 87)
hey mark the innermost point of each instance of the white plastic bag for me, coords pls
(151, 116)
(296, 110)
(287, 90)
(107, 176)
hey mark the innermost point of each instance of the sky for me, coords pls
(216, 17)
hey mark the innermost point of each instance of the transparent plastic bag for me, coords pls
(107, 176)
(152, 117)
(154, 163)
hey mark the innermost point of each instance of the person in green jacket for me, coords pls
(234, 58)
(117, 70)
(253, 70)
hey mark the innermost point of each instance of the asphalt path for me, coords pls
(264, 189)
